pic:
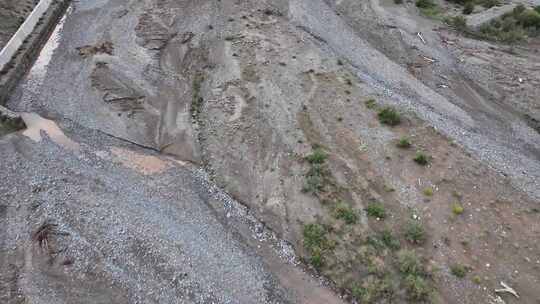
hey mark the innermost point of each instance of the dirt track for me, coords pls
(244, 89)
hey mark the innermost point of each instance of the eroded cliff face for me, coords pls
(248, 89)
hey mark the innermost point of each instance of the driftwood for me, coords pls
(507, 289)
(421, 37)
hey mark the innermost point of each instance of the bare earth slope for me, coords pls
(246, 89)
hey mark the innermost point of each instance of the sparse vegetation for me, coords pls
(315, 179)
(317, 157)
(457, 209)
(477, 280)
(417, 288)
(345, 213)
(412, 268)
(315, 242)
(389, 116)
(314, 236)
(421, 158)
(429, 8)
(425, 3)
(458, 270)
(404, 143)
(458, 22)
(409, 263)
(428, 191)
(318, 174)
(389, 240)
(371, 103)
(197, 100)
(513, 26)
(372, 289)
(415, 233)
(376, 209)
(468, 8)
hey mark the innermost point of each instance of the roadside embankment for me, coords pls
(19, 53)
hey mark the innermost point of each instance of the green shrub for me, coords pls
(417, 288)
(345, 213)
(389, 240)
(317, 157)
(421, 159)
(409, 263)
(529, 18)
(458, 270)
(428, 191)
(404, 143)
(537, 9)
(389, 116)
(315, 179)
(457, 209)
(371, 103)
(468, 8)
(316, 258)
(314, 236)
(459, 23)
(197, 100)
(373, 289)
(415, 233)
(376, 209)
(489, 3)
(425, 4)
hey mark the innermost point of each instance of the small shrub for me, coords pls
(314, 236)
(477, 280)
(421, 159)
(425, 4)
(409, 263)
(197, 100)
(373, 289)
(346, 214)
(458, 22)
(457, 209)
(371, 103)
(415, 233)
(376, 209)
(316, 259)
(428, 191)
(489, 3)
(389, 116)
(529, 18)
(404, 143)
(458, 270)
(389, 240)
(317, 157)
(315, 179)
(417, 288)
(468, 8)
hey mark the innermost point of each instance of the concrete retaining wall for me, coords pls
(20, 52)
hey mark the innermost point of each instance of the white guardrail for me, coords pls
(25, 30)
